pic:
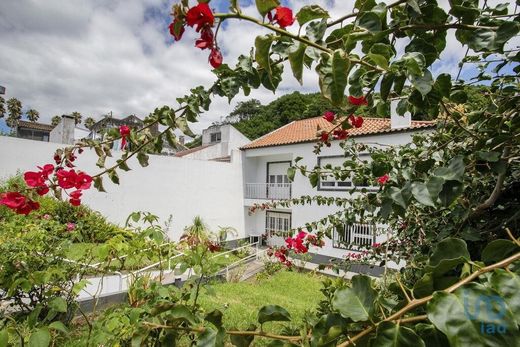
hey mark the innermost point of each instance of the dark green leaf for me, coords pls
(271, 313)
(447, 254)
(454, 171)
(265, 6)
(263, 47)
(497, 250)
(451, 190)
(357, 302)
(98, 184)
(370, 21)
(489, 156)
(296, 61)
(59, 326)
(4, 338)
(421, 193)
(333, 73)
(112, 174)
(58, 304)
(40, 338)
(443, 84)
(424, 286)
(390, 334)
(310, 12)
(386, 85)
(507, 284)
(291, 171)
(143, 159)
(215, 317)
(424, 83)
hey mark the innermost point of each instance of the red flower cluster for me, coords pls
(36, 179)
(19, 203)
(296, 243)
(124, 131)
(340, 134)
(72, 179)
(213, 247)
(281, 254)
(201, 18)
(283, 17)
(361, 101)
(357, 122)
(383, 179)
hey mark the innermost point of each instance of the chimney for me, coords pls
(397, 121)
(64, 131)
(182, 139)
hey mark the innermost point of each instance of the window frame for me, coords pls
(218, 137)
(268, 230)
(337, 188)
(352, 246)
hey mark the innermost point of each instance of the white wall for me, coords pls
(169, 185)
(231, 140)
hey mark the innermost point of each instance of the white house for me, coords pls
(265, 162)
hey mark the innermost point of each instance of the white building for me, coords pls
(266, 160)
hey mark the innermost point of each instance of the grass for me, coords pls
(240, 302)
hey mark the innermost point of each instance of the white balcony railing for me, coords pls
(270, 191)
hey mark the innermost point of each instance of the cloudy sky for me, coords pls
(97, 56)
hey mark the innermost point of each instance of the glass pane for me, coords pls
(285, 179)
(272, 179)
(279, 179)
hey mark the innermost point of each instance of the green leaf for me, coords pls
(333, 76)
(310, 12)
(447, 254)
(181, 312)
(390, 334)
(402, 107)
(414, 63)
(143, 159)
(397, 196)
(271, 313)
(459, 96)
(316, 30)
(98, 184)
(378, 59)
(58, 304)
(263, 46)
(471, 316)
(497, 250)
(296, 61)
(40, 338)
(4, 338)
(211, 338)
(507, 284)
(357, 302)
(421, 193)
(489, 156)
(434, 186)
(454, 171)
(443, 84)
(370, 21)
(214, 317)
(182, 124)
(386, 85)
(112, 174)
(451, 190)
(265, 6)
(424, 286)
(424, 83)
(59, 326)
(123, 165)
(291, 171)
(314, 178)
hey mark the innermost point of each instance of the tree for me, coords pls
(2, 107)
(14, 109)
(89, 122)
(32, 115)
(55, 120)
(244, 110)
(77, 117)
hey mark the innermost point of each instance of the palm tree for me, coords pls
(224, 232)
(196, 233)
(2, 107)
(77, 117)
(55, 120)
(14, 108)
(32, 115)
(89, 122)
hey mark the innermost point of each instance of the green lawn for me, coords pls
(240, 302)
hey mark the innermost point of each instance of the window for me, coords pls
(215, 137)
(331, 183)
(277, 223)
(351, 236)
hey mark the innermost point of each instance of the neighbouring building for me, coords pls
(67, 132)
(266, 160)
(33, 130)
(218, 142)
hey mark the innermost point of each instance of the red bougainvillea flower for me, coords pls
(357, 122)
(340, 134)
(383, 179)
(176, 29)
(215, 58)
(12, 200)
(206, 38)
(42, 190)
(329, 116)
(124, 131)
(213, 247)
(324, 136)
(71, 227)
(28, 207)
(66, 179)
(34, 179)
(283, 16)
(75, 198)
(46, 170)
(376, 244)
(57, 159)
(200, 16)
(357, 101)
(83, 181)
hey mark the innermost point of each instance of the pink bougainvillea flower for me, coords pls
(283, 16)
(383, 179)
(176, 29)
(46, 216)
(340, 134)
(329, 116)
(71, 227)
(215, 58)
(357, 122)
(357, 101)
(199, 16)
(124, 131)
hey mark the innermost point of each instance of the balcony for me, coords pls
(268, 191)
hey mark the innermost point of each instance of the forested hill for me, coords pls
(253, 119)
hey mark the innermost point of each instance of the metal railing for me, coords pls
(270, 191)
(350, 236)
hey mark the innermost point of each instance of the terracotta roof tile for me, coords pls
(191, 150)
(34, 125)
(306, 130)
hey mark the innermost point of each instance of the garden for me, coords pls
(450, 197)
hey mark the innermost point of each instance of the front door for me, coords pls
(278, 186)
(277, 225)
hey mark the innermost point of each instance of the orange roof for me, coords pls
(306, 130)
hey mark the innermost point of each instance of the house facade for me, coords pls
(33, 131)
(266, 160)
